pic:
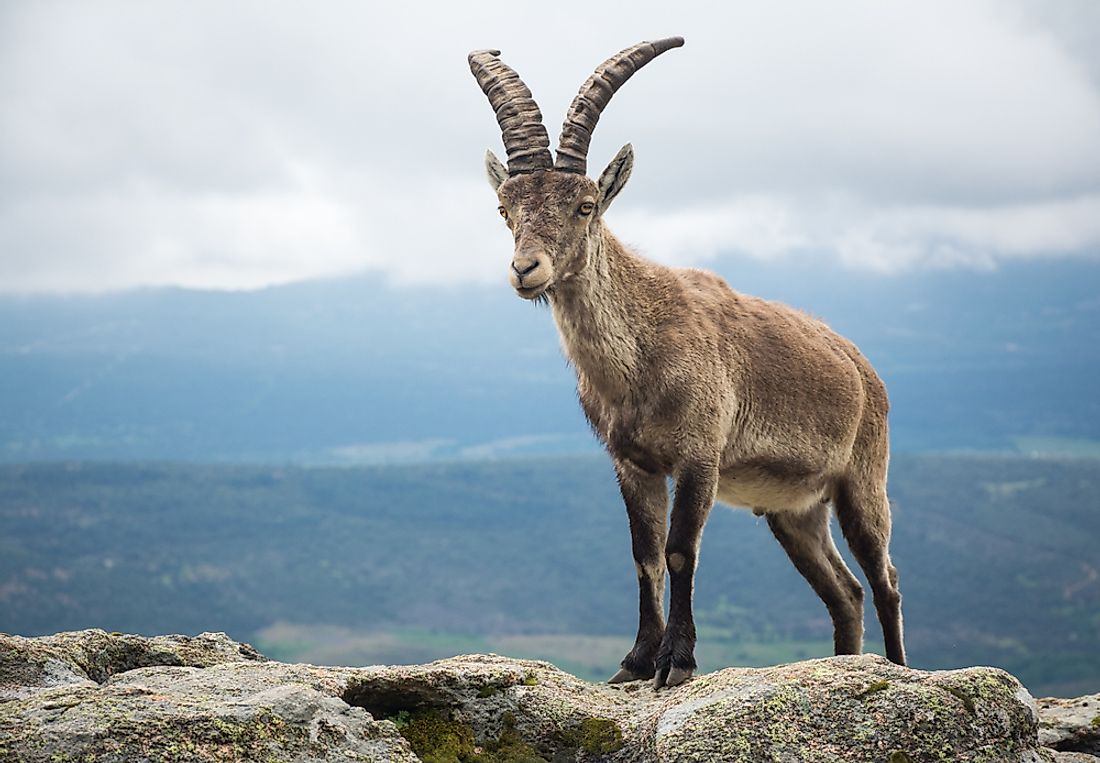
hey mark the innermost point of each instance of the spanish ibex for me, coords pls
(735, 398)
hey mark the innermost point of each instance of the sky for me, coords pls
(240, 145)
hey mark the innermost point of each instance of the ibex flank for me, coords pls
(734, 398)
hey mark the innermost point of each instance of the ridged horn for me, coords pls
(594, 95)
(518, 115)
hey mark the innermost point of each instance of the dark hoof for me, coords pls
(624, 676)
(675, 660)
(677, 676)
(672, 676)
(638, 665)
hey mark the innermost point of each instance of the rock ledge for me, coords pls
(95, 697)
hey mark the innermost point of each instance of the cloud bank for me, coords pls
(239, 145)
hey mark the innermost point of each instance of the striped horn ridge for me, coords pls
(594, 96)
(518, 115)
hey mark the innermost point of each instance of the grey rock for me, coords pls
(226, 703)
(1070, 725)
(1074, 757)
(89, 656)
(229, 711)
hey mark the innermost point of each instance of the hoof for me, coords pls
(672, 677)
(623, 676)
(677, 676)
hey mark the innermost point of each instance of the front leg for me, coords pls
(646, 498)
(695, 491)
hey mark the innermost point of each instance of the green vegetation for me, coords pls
(874, 688)
(435, 738)
(596, 736)
(532, 558)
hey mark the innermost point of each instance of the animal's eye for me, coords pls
(503, 212)
(586, 208)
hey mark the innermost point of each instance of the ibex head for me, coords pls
(552, 208)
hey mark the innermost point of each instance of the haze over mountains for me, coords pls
(357, 371)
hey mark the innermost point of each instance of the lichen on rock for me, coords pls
(93, 655)
(1071, 725)
(106, 698)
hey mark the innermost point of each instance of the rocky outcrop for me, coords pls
(94, 697)
(1071, 725)
(93, 656)
(98, 697)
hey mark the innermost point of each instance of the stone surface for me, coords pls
(1071, 725)
(1074, 757)
(99, 698)
(91, 656)
(211, 699)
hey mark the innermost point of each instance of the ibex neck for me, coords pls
(596, 313)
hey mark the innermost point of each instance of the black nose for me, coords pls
(524, 266)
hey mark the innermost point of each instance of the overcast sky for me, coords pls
(240, 144)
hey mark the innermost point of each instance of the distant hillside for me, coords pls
(355, 371)
(385, 564)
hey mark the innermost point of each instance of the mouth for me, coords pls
(532, 292)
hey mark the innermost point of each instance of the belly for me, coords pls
(764, 491)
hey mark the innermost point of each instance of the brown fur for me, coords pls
(735, 398)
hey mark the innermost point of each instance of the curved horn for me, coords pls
(525, 138)
(594, 94)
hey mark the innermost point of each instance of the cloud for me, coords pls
(756, 226)
(237, 145)
(139, 234)
(883, 238)
(938, 236)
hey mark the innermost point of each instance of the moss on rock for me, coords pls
(874, 688)
(437, 738)
(596, 736)
(601, 736)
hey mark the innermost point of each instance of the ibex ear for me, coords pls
(495, 170)
(615, 176)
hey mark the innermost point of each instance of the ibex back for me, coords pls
(735, 398)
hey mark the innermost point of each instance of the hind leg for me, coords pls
(864, 514)
(808, 541)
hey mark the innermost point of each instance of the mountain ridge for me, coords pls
(354, 370)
